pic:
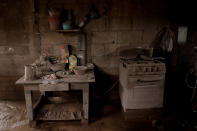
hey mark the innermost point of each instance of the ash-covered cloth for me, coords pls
(166, 39)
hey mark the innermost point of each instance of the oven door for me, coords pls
(144, 80)
(146, 91)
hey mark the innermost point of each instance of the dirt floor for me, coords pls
(111, 118)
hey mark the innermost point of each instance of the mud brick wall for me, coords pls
(16, 45)
(121, 23)
(131, 23)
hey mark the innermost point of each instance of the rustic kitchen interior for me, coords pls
(98, 65)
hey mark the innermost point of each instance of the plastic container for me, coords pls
(67, 25)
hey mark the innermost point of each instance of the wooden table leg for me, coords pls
(29, 106)
(86, 103)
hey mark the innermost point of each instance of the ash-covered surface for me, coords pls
(12, 115)
(60, 112)
(111, 118)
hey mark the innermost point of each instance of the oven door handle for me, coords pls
(150, 79)
(145, 86)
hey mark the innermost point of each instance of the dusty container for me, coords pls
(54, 22)
(148, 52)
(57, 67)
(29, 72)
(80, 70)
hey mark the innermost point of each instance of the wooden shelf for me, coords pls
(71, 111)
(69, 31)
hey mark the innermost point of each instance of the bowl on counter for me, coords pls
(80, 70)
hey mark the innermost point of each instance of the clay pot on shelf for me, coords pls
(54, 23)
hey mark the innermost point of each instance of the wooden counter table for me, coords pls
(70, 82)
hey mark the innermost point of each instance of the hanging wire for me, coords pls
(191, 71)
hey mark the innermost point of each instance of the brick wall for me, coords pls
(16, 45)
(121, 23)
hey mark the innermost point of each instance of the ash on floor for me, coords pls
(12, 115)
(111, 118)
